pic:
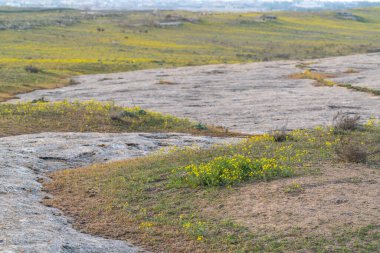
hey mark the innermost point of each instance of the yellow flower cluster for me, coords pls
(40, 107)
(226, 170)
(146, 224)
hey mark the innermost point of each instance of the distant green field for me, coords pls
(58, 44)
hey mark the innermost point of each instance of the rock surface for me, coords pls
(28, 226)
(251, 98)
(357, 70)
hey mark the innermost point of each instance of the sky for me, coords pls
(311, 1)
(174, 3)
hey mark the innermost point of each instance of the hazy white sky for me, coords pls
(311, 1)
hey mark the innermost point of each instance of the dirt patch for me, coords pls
(340, 195)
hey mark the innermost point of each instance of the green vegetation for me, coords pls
(40, 116)
(230, 170)
(173, 200)
(321, 79)
(146, 201)
(361, 89)
(63, 43)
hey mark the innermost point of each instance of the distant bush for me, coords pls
(32, 69)
(281, 135)
(351, 151)
(73, 82)
(344, 122)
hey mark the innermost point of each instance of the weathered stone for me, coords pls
(28, 226)
(252, 98)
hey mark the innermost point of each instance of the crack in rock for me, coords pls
(28, 226)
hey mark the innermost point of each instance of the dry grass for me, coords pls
(345, 122)
(135, 200)
(351, 71)
(320, 78)
(280, 135)
(165, 82)
(312, 205)
(352, 151)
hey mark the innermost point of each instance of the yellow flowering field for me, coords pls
(63, 43)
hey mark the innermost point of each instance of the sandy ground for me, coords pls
(28, 226)
(341, 195)
(251, 98)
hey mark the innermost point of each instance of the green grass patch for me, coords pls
(361, 89)
(91, 116)
(63, 43)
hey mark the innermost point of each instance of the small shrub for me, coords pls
(32, 69)
(40, 100)
(116, 116)
(127, 113)
(351, 151)
(344, 122)
(200, 126)
(280, 135)
(73, 82)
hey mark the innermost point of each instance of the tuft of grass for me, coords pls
(351, 71)
(294, 188)
(91, 116)
(320, 78)
(165, 82)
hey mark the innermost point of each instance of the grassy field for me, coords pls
(43, 49)
(91, 116)
(190, 199)
(184, 201)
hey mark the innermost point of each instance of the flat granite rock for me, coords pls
(251, 98)
(28, 226)
(357, 70)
